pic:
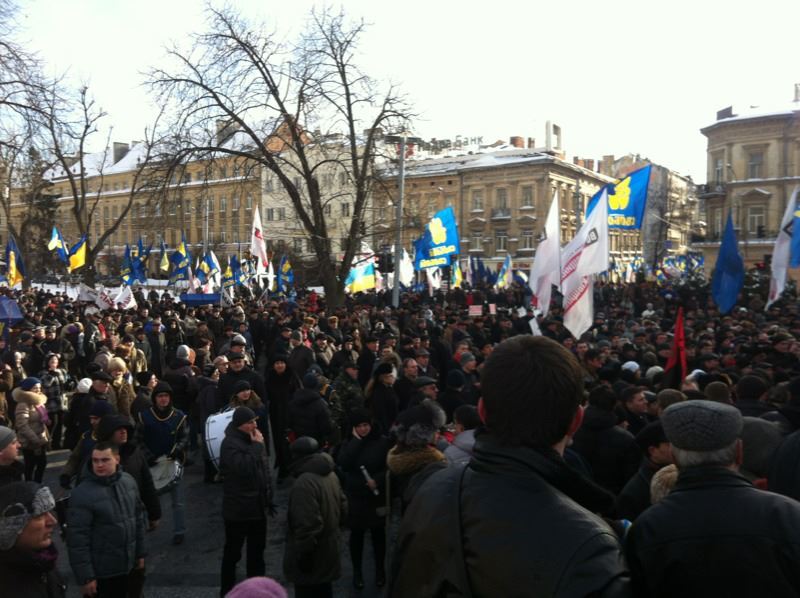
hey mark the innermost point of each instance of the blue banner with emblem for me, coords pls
(626, 200)
(440, 241)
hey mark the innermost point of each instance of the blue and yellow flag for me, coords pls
(57, 243)
(228, 280)
(285, 274)
(506, 273)
(626, 200)
(15, 269)
(207, 268)
(77, 255)
(125, 271)
(163, 263)
(456, 276)
(180, 262)
(439, 242)
(361, 278)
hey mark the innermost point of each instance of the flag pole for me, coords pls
(399, 222)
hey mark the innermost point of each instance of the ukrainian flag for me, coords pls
(361, 278)
(15, 269)
(57, 243)
(180, 262)
(504, 278)
(285, 274)
(77, 255)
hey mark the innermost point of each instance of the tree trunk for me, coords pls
(334, 289)
(88, 273)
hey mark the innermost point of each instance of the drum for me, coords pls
(215, 433)
(166, 474)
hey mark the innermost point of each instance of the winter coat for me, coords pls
(369, 452)
(300, 359)
(162, 433)
(346, 397)
(30, 420)
(317, 507)
(611, 452)
(54, 386)
(309, 415)
(23, 576)
(12, 472)
(635, 496)
(527, 529)
(715, 534)
(461, 449)
(106, 526)
(247, 486)
(125, 396)
(784, 470)
(383, 404)
(227, 382)
(133, 462)
(180, 376)
(410, 468)
(280, 389)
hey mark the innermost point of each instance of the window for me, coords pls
(717, 222)
(270, 214)
(223, 204)
(345, 209)
(114, 212)
(298, 245)
(187, 207)
(501, 240)
(211, 204)
(309, 246)
(477, 242)
(116, 186)
(527, 239)
(502, 199)
(477, 200)
(236, 170)
(755, 162)
(327, 209)
(235, 201)
(756, 220)
(187, 177)
(223, 236)
(343, 178)
(382, 213)
(527, 195)
(719, 171)
(268, 184)
(223, 172)
(281, 214)
(248, 202)
(172, 238)
(198, 208)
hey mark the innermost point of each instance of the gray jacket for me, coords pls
(461, 449)
(106, 527)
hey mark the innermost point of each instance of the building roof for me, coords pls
(757, 112)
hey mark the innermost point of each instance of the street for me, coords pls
(192, 569)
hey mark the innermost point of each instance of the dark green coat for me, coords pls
(317, 507)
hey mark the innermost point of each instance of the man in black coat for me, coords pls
(300, 357)
(246, 498)
(309, 414)
(11, 468)
(610, 451)
(521, 514)
(714, 534)
(367, 359)
(656, 453)
(237, 370)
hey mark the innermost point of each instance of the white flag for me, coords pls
(546, 265)
(258, 249)
(103, 300)
(782, 252)
(217, 278)
(434, 279)
(585, 255)
(406, 269)
(270, 276)
(125, 299)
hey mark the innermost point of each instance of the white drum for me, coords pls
(166, 474)
(215, 433)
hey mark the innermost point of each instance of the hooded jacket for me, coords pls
(317, 507)
(309, 415)
(247, 486)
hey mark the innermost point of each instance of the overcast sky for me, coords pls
(617, 76)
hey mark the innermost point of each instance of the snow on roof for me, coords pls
(759, 112)
(427, 167)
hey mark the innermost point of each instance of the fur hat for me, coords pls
(417, 426)
(19, 503)
(116, 364)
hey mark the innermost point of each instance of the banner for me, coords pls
(439, 242)
(626, 200)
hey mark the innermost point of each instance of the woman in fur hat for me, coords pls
(122, 388)
(415, 456)
(54, 384)
(32, 421)
(245, 396)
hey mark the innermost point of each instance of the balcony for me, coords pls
(767, 237)
(501, 214)
(711, 190)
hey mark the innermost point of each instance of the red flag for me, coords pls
(675, 370)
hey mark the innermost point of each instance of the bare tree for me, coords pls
(243, 93)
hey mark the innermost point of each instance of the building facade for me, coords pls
(753, 165)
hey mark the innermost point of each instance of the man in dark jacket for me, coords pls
(367, 359)
(300, 356)
(247, 495)
(635, 496)
(524, 517)
(237, 370)
(309, 414)
(714, 534)
(609, 450)
(11, 468)
(106, 526)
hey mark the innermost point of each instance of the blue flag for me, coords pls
(794, 255)
(126, 271)
(728, 275)
(439, 242)
(626, 200)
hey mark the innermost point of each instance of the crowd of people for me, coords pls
(519, 464)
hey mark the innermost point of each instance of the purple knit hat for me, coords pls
(258, 587)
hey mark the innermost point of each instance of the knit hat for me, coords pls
(182, 352)
(310, 381)
(360, 416)
(143, 378)
(466, 358)
(7, 436)
(702, 425)
(116, 364)
(383, 368)
(29, 383)
(242, 415)
(162, 387)
(257, 587)
(100, 408)
(760, 439)
(84, 384)
(280, 357)
(455, 379)
(19, 503)
(240, 386)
